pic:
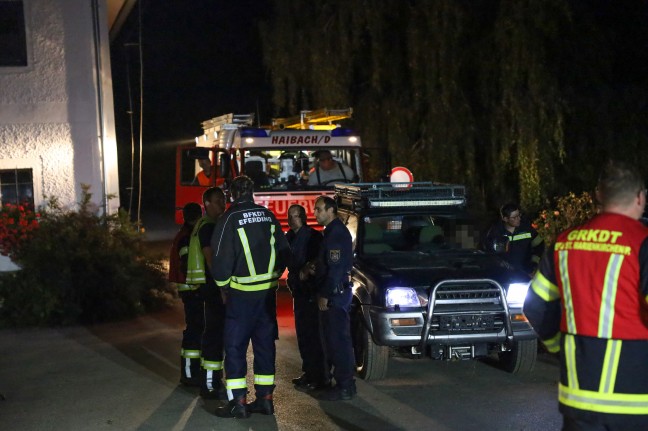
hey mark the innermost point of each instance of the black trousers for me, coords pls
(309, 341)
(336, 330)
(250, 317)
(213, 336)
(194, 319)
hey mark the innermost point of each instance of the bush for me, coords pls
(570, 210)
(80, 267)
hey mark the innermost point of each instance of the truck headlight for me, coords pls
(516, 294)
(402, 296)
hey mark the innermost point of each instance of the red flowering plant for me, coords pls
(17, 226)
(569, 211)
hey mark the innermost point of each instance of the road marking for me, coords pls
(184, 418)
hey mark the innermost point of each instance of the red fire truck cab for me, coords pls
(281, 159)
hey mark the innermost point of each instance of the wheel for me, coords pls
(371, 359)
(522, 357)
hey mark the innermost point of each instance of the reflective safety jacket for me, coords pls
(178, 259)
(525, 246)
(250, 249)
(589, 301)
(196, 273)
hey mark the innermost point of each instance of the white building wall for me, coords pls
(56, 114)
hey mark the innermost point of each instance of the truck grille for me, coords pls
(465, 306)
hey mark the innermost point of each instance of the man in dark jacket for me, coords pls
(250, 254)
(525, 246)
(334, 299)
(305, 245)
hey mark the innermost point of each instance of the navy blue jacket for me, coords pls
(336, 259)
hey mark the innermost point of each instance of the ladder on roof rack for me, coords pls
(309, 118)
(227, 121)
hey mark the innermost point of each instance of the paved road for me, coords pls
(123, 376)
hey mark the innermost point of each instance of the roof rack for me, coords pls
(227, 121)
(386, 195)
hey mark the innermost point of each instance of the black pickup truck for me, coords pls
(421, 286)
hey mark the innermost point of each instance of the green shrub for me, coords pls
(81, 267)
(570, 210)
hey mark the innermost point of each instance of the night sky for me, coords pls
(202, 58)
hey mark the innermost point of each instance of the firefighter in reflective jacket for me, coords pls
(200, 272)
(250, 254)
(525, 246)
(191, 300)
(588, 301)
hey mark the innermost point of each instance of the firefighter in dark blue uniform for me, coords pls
(305, 246)
(525, 246)
(250, 254)
(334, 299)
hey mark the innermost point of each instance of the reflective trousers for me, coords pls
(250, 317)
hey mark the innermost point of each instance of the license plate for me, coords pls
(470, 322)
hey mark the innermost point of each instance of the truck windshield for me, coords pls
(281, 170)
(417, 233)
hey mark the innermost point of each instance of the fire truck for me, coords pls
(279, 158)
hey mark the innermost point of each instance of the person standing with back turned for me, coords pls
(334, 299)
(588, 301)
(250, 254)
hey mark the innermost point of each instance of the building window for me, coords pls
(17, 187)
(13, 39)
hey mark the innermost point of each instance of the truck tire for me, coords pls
(522, 357)
(371, 359)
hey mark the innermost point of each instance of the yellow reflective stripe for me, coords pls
(569, 304)
(273, 256)
(246, 250)
(536, 241)
(189, 353)
(183, 250)
(221, 283)
(184, 287)
(260, 379)
(570, 361)
(255, 278)
(520, 236)
(632, 404)
(545, 289)
(610, 366)
(235, 383)
(212, 365)
(553, 344)
(254, 287)
(608, 296)
(196, 276)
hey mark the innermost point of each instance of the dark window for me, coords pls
(17, 187)
(13, 41)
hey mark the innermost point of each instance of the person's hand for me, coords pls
(322, 303)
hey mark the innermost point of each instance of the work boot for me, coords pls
(263, 405)
(190, 371)
(217, 392)
(236, 408)
(337, 393)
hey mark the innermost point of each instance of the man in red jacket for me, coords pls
(588, 302)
